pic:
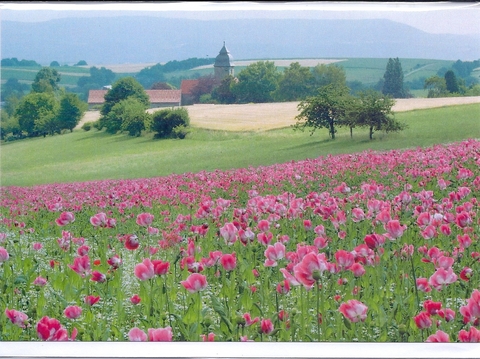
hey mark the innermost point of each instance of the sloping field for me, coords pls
(280, 63)
(268, 116)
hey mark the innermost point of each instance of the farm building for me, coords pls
(187, 87)
(158, 98)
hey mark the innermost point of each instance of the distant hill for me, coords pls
(116, 40)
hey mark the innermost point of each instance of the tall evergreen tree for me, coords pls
(393, 79)
(451, 82)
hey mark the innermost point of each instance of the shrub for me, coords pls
(163, 122)
(180, 132)
(87, 126)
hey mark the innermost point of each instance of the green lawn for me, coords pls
(83, 156)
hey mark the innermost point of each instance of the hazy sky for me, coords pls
(436, 17)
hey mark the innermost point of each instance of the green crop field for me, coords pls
(94, 155)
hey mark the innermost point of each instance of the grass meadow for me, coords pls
(94, 155)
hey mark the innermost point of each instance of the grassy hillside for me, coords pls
(84, 156)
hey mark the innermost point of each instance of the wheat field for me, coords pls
(268, 116)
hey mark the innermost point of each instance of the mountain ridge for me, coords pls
(102, 40)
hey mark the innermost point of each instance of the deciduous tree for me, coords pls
(71, 111)
(326, 110)
(296, 83)
(436, 86)
(46, 80)
(257, 82)
(122, 89)
(34, 109)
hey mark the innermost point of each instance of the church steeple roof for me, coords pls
(224, 59)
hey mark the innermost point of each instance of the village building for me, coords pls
(223, 67)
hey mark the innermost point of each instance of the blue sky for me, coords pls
(433, 17)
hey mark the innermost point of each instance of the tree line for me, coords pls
(46, 110)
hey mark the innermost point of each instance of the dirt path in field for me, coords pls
(267, 116)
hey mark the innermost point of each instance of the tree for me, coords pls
(436, 86)
(126, 115)
(223, 93)
(393, 77)
(34, 110)
(121, 90)
(295, 83)
(257, 82)
(13, 87)
(204, 86)
(329, 74)
(451, 82)
(46, 80)
(164, 122)
(54, 64)
(71, 111)
(372, 109)
(81, 63)
(326, 110)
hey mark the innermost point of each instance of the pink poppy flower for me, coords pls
(91, 299)
(344, 259)
(65, 218)
(50, 329)
(131, 241)
(40, 281)
(472, 336)
(263, 225)
(265, 238)
(160, 334)
(466, 274)
(354, 310)
(228, 261)
(83, 250)
(115, 262)
(357, 269)
(160, 267)
(135, 299)
(229, 233)
(3, 237)
(394, 229)
(137, 335)
(37, 246)
(99, 220)
(438, 337)
(145, 270)
(442, 277)
(309, 270)
(374, 240)
(266, 326)
(249, 321)
(195, 282)
(81, 265)
(464, 241)
(283, 287)
(16, 317)
(358, 215)
(145, 219)
(3, 255)
(422, 285)
(422, 320)
(273, 254)
(98, 277)
(72, 312)
(208, 338)
(447, 314)
(432, 307)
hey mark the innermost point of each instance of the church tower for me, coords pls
(223, 64)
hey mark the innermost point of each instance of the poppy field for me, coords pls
(364, 247)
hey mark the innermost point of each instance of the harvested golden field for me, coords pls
(268, 116)
(280, 63)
